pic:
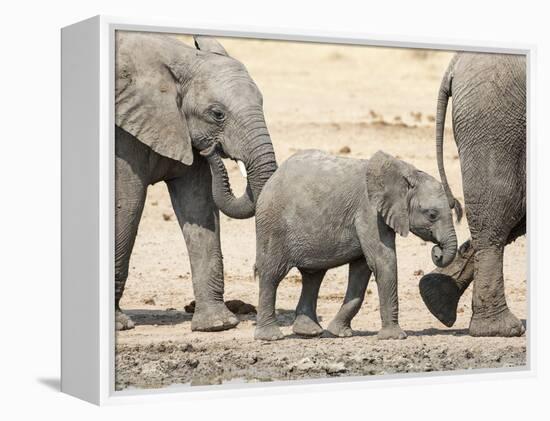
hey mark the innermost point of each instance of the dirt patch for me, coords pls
(197, 362)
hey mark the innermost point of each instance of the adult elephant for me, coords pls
(172, 101)
(489, 125)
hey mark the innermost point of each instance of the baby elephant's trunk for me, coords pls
(445, 251)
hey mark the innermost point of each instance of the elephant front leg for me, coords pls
(442, 288)
(490, 313)
(359, 274)
(199, 221)
(386, 280)
(267, 328)
(306, 323)
(130, 193)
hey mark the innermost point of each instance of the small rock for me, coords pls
(193, 363)
(335, 368)
(304, 364)
(418, 272)
(190, 308)
(345, 149)
(186, 348)
(240, 307)
(235, 306)
(149, 301)
(460, 310)
(167, 216)
(154, 203)
(417, 116)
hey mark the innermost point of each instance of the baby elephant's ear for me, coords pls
(387, 188)
(209, 45)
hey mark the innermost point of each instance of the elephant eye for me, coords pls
(432, 214)
(217, 114)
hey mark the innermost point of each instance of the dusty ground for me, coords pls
(325, 97)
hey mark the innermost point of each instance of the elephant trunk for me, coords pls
(445, 251)
(260, 164)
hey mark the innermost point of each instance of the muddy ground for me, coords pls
(345, 100)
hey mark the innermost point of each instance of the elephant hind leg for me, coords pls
(491, 315)
(358, 279)
(306, 323)
(442, 288)
(130, 193)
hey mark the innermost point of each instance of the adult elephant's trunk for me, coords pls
(445, 251)
(260, 164)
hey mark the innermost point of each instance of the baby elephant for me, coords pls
(320, 211)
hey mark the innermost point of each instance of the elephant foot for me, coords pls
(441, 294)
(268, 333)
(305, 326)
(441, 289)
(391, 332)
(503, 324)
(337, 328)
(213, 318)
(123, 321)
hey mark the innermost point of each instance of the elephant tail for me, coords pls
(442, 101)
(255, 269)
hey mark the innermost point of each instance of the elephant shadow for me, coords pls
(286, 317)
(410, 333)
(446, 332)
(435, 332)
(158, 317)
(174, 317)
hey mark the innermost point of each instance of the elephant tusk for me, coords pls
(242, 168)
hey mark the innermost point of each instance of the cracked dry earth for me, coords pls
(344, 100)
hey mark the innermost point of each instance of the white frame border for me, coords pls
(107, 395)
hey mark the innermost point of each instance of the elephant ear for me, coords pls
(388, 182)
(209, 45)
(147, 95)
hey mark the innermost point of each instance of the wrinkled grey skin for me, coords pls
(320, 211)
(173, 101)
(489, 124)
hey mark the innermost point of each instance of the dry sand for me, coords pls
(325, 97)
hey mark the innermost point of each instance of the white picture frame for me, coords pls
(87, 327)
